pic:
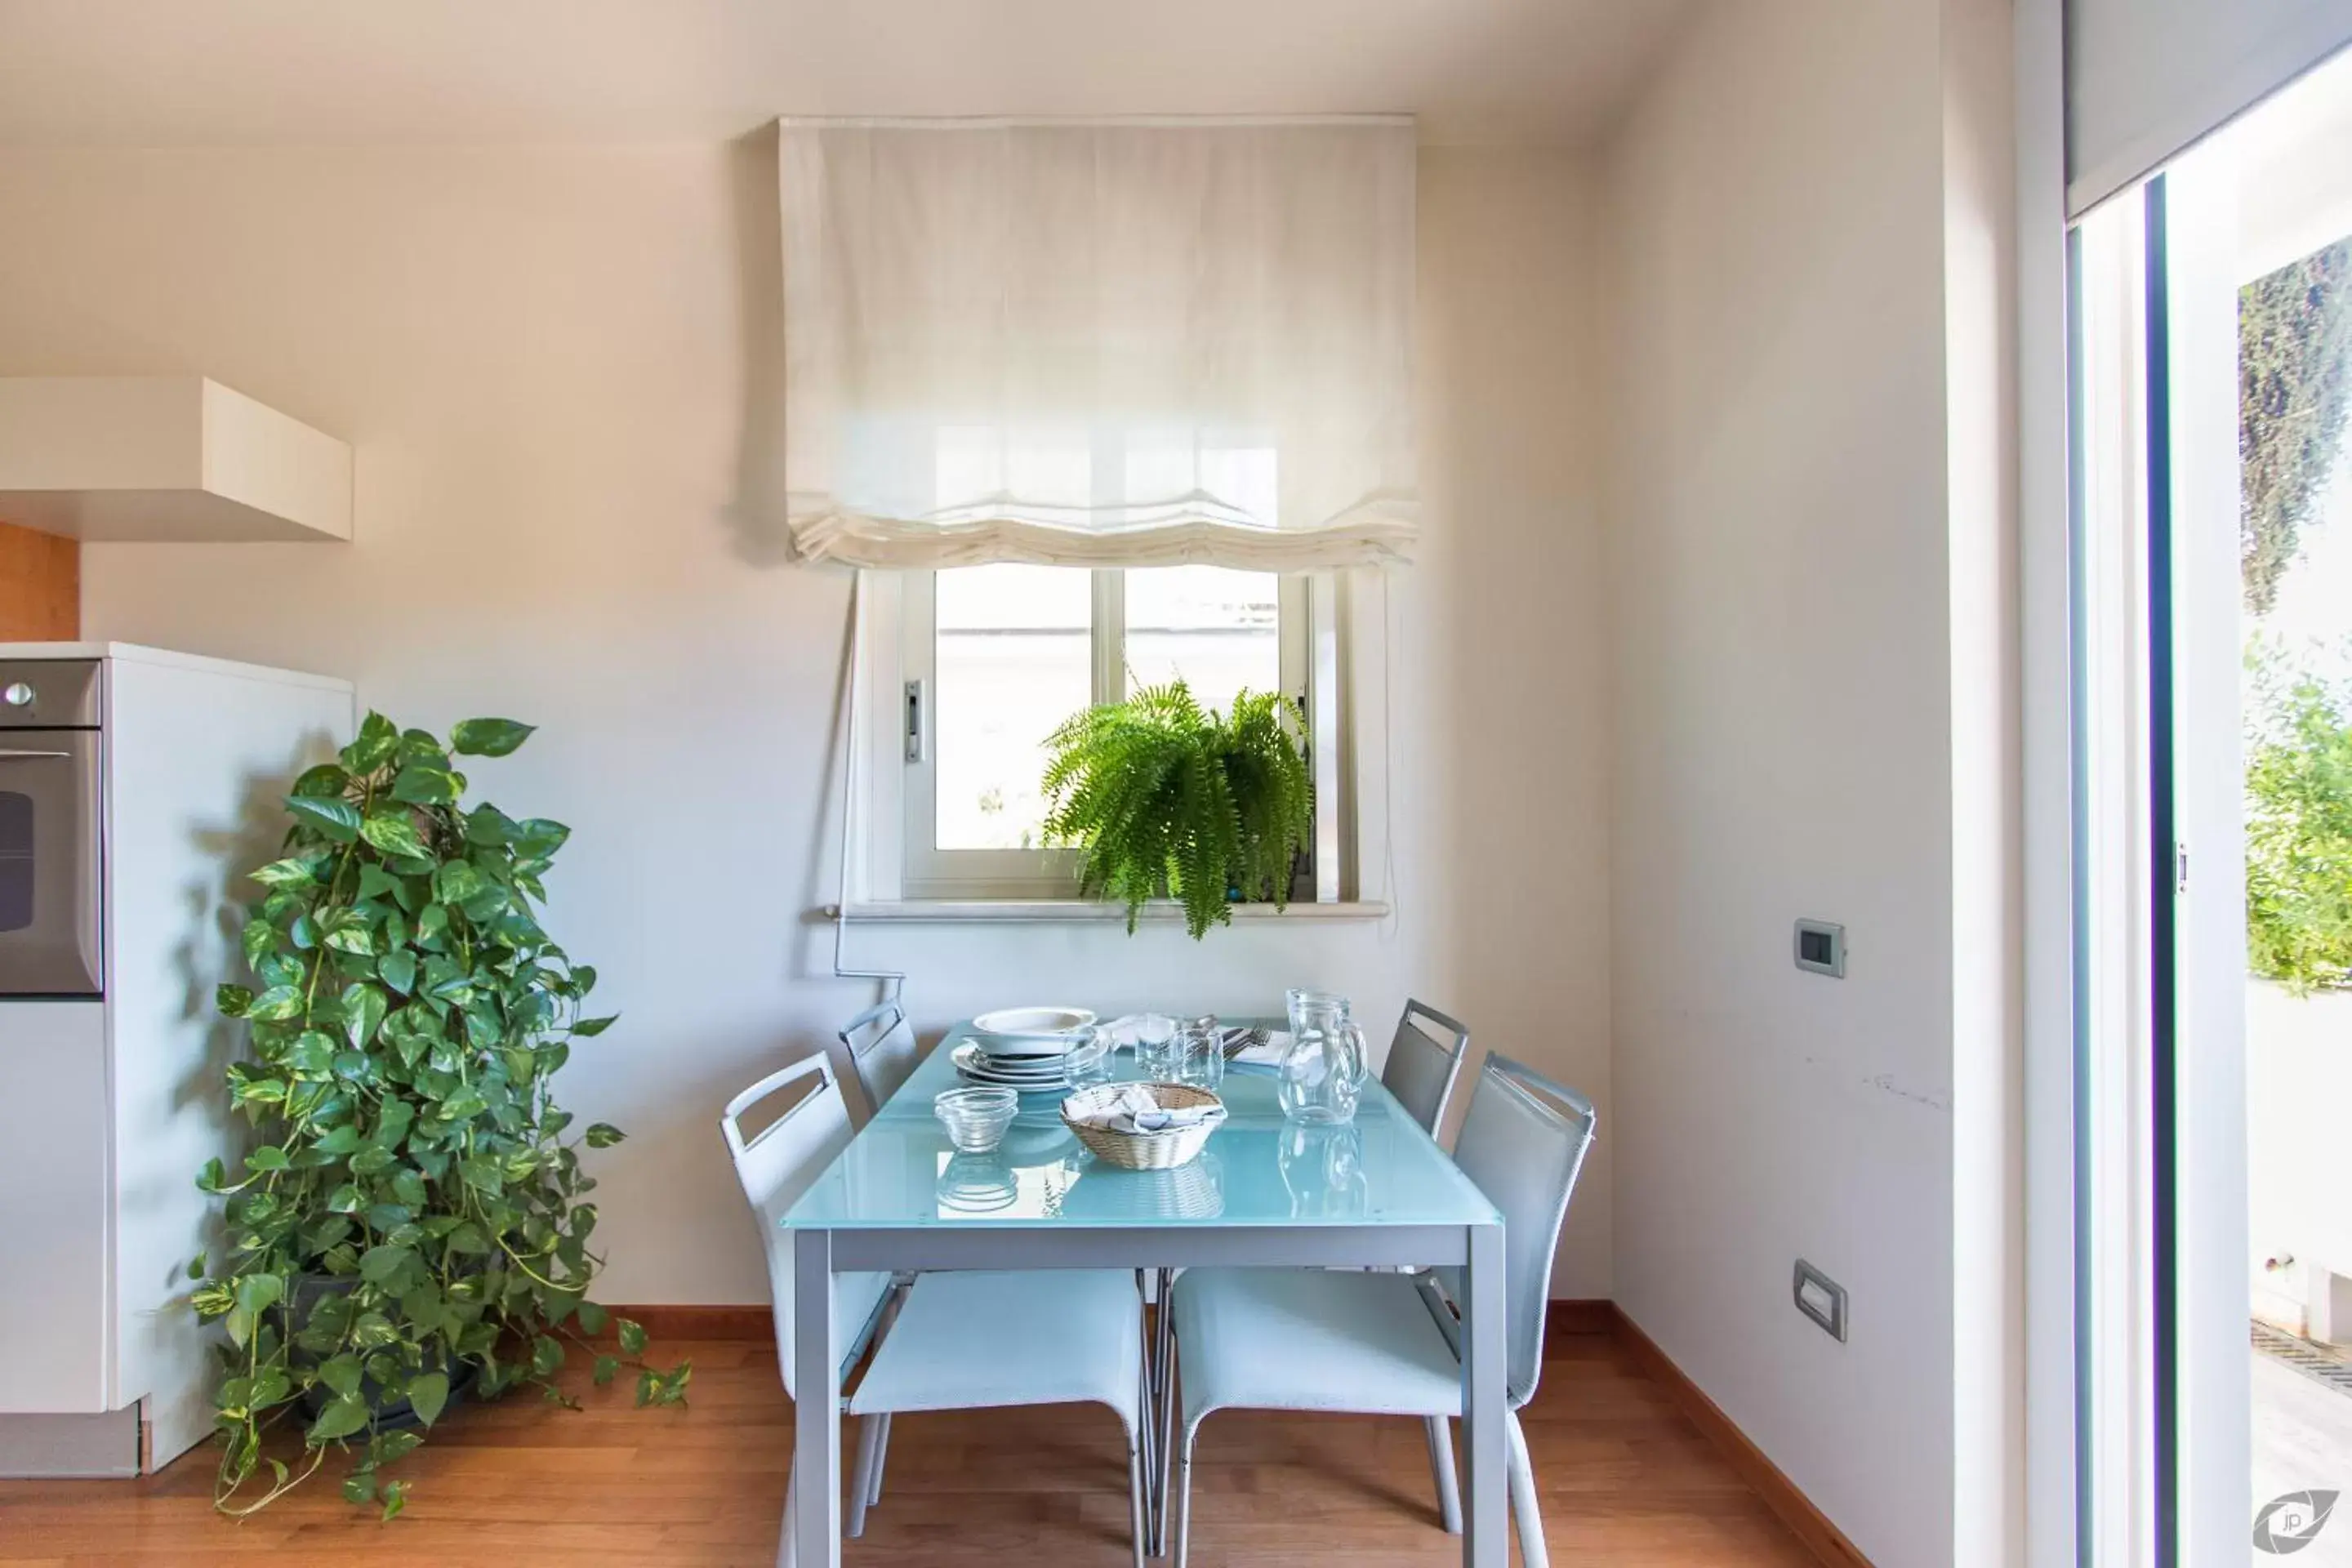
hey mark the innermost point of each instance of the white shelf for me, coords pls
(1076, 910)
(165, 459)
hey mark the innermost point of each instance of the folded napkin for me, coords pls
(1133, 1110)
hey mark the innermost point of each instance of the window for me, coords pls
(995, 658)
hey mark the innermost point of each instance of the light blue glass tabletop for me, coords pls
(1259, 1169)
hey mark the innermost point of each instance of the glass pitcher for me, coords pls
(1323, 1071)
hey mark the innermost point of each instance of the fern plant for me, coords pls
(1164, 798)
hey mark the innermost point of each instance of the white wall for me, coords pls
(557, 368)
(1810, 505)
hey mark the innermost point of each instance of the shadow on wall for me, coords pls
(761, 538)
(759, 513)
(209, 956)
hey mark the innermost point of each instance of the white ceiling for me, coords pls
(189, 72)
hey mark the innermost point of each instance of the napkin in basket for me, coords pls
(1133, 1110)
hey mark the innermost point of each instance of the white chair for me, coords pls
(883, 1048)
(1312, 1339)
(955, 1342)
(1421, 1067)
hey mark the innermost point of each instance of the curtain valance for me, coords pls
(1099, 344)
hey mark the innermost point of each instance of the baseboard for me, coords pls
(1810, 1525)
(1565, 1317)
(697, 1321)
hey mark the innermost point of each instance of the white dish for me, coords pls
(1030, 1031)
(1023, 1067)
(975, 1068)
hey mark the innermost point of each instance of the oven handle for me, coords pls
(7, 757)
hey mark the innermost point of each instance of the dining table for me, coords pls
(1267, 1191)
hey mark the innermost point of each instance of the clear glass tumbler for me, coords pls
(1156, 1057)
(1201, 1053)
(1089, 1059)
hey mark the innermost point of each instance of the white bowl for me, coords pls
(1030, 1031)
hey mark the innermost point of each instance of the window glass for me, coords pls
(1216, 628)
(1014, 658)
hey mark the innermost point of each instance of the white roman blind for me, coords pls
(1106, 344)
(2145, 79)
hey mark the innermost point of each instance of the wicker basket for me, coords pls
(1145, 1151)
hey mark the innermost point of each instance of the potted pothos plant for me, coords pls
(1164, 799)
(412, 1218)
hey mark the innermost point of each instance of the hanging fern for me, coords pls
(1163, 797)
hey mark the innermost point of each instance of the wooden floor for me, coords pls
(1625, 1478)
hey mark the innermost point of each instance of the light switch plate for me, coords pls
(1820, 948)
(1821, 1298)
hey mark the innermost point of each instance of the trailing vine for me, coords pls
(410, 1220)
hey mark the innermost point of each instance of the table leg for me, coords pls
(1166, 1416)
(1486, 1355)
(817, 1404)
(1151, 1388)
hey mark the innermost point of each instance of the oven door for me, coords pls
(50, 924)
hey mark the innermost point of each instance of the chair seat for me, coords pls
(979, 1341)
(1311, 1339)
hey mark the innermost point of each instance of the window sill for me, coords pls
(942, 911)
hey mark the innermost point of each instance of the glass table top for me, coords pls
(1259, 1169)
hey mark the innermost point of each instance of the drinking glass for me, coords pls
(1201, 1053)
(1089, 1058)
(1155, 1047)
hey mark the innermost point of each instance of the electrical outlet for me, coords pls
(1821, 1298)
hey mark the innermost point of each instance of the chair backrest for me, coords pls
(1523, 1142)
(881, 1044)
(1424, 1060)
(782, 1161)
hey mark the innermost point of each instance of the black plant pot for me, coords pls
(389, 1414)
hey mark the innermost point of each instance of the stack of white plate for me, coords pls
(1021, 1047)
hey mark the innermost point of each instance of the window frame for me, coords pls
(928, 872)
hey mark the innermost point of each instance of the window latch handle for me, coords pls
(915, 752)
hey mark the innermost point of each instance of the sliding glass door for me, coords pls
(2210, 368)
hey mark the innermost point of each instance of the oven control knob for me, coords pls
(17, 694)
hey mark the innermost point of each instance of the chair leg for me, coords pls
(861, 1480)
(785, 1557)
(1136, 1523)
(881, 1457)
(1148, 1386)
(1183, 1501)
(1167, 1426)
(1439, 1432)
(1529, 1518)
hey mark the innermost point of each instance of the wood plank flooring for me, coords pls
(1626, 1479)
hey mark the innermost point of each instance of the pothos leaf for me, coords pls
(338, 819)
(394, 834)
(487, 737)
(343, 1415)
(372, 746)
(428, 1391)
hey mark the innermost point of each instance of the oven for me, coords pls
(52, 923)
